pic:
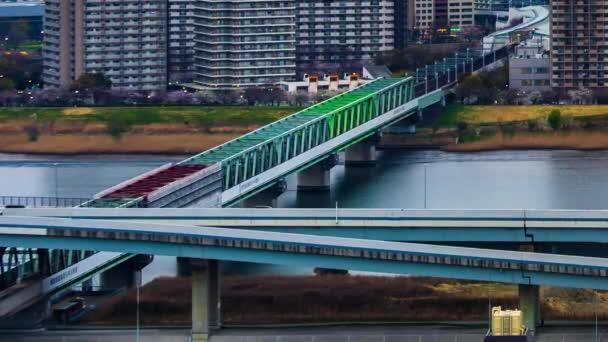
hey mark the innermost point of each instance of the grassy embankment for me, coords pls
(478, 128)
(151, 129)
(339, 298)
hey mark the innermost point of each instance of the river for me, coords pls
(502, 179)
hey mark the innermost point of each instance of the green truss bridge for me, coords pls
(232, 172)
(238, 169)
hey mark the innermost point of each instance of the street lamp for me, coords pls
(56, 180)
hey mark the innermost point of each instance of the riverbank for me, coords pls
(452, 141)
(187, 130)
(135, 143)
(340, 298)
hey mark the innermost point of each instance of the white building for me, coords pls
(123, 39)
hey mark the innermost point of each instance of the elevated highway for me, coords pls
(306, 250)
(412, 225)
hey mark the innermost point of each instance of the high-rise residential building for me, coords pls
(123, 39)
(180, 41)
(343, 31)
(404, 22)
(424, 14)
(244, 43)
(461, 13)
(440, 13)
(578, 43)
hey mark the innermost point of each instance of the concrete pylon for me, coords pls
(206, 304)
(317, 177)
(267, 198)
(529, 305)
(200, 301)
(529, 300)
(361, 153)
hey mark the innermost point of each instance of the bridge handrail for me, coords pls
(29, 200)
(311, 122)
(271, 124)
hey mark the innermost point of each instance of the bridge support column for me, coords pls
(124, 274)
(266, 198)
(205, 299)
(362, 153)
(529, 300)
(317, 177)
(529, 305)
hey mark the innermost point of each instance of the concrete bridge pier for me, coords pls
(363, 152)
(205, 299)
(125, 274)
(317, 177)
(266, 198)
(529, 304)
(529, 300)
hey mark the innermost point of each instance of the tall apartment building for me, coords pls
(424, 14)
(341, 31)
(180, 41)
(244, 43)
(123, 39)
(461, 13)
(441, 13)
(404, 22)
(579, 43)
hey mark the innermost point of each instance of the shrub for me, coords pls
(555, 119)
(32, 131)
(117, 125)
(462, 126)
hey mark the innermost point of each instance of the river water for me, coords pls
(503, 179)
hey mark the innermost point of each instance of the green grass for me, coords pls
(207, 115)
(454, 114)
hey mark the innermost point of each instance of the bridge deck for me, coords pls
(316, 251)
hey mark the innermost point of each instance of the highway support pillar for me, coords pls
(317, 177)
(529, 299)
(363, 152)
(266, 198)
(529, 305)
(205, 298)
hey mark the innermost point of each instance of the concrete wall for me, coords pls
(523, 70)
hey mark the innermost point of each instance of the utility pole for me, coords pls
(56, 165)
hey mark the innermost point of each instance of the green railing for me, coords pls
(283, 140)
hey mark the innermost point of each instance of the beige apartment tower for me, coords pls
(579, 43)
(125, 40)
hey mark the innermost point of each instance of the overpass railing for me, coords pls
(41, 202)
